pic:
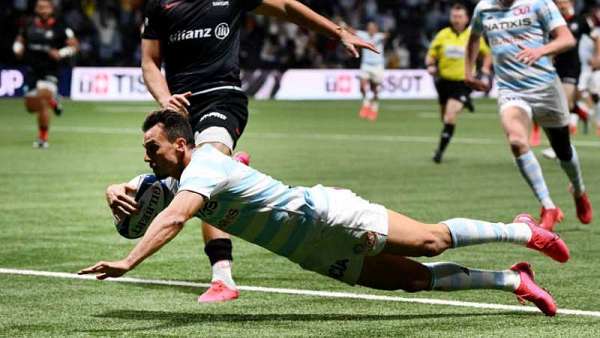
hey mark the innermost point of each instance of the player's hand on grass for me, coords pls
(528, 55)
(178, 103)
(120, 200)
(103, 270)
(476, 84)
(353, 43)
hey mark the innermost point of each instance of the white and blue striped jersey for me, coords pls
(251, 205)
(369, 57)
(525, 23)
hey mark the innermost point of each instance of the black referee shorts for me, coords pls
(569, 73)
(222, 108)
(457, 90)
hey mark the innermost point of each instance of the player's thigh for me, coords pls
(33, 103)
(392, 272)
(516, 123)
(210, 232)
(408, 237)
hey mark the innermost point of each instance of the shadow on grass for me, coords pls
(180, 319)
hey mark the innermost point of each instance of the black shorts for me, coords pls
(223, 108)
(569, 73)
(32, 76)
(457, 90)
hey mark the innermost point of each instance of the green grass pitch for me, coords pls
(53, 217)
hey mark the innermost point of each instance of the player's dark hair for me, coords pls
(175, 125)
(459, 6)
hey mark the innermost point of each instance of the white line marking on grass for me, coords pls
(429, 115)
(326, 294)
(308, 137)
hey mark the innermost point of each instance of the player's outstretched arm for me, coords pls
(296, 12)
(163, 229)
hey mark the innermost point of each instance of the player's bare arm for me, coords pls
(562, 40)
(471, 53)
(595, 60)
(162, 230)
(296, 12)
(431, 64)
(156, 82)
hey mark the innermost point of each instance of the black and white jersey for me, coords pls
(578, 26)
(200, 41)
(40, 37)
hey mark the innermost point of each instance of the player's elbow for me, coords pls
(175, 219)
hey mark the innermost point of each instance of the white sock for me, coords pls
(532, 173)
(465, 232)
(573, 171)
(221, 270)
(448, 276)
(375, 106)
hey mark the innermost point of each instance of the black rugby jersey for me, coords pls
(578, 26)
(200, 41)
(39, 39)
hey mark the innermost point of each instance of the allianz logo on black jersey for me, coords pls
(220, 32)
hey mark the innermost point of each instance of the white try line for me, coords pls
(314, 293)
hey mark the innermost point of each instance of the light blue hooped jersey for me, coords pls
(524, 23)
(251, 205)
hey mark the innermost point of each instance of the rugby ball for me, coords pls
(153, 196)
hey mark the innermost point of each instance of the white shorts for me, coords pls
(350, 229)
(585, 79)
(372, 73)
(594, 82)
(43, 84)
(546, 106)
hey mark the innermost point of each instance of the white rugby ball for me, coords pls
(153, 196)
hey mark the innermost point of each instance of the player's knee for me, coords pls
(432, 245)
(518, 144)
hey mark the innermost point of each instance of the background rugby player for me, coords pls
(198, 43)
(42, 43)
(522, 35)
(372, 69)
(446, 61)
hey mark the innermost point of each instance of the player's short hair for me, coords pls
(175, 125)
(458, 6)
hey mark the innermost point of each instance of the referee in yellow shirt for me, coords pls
(446, 61)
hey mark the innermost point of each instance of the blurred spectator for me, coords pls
(109, 32)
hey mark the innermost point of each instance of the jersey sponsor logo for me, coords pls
(170, 5)
(521, 10)
(222, 31)
(215, 115)
(508, 24)
(229, 218)
(209, 209)
(183, 35)
(220, 3)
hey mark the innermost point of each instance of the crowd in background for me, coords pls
(109, 32)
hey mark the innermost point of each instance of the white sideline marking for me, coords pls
(429, 115)
(326, 294)
(328, 137)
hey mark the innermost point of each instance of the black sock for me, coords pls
(447, 133)
(218, 250)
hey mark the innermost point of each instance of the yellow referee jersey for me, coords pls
(448, 48)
